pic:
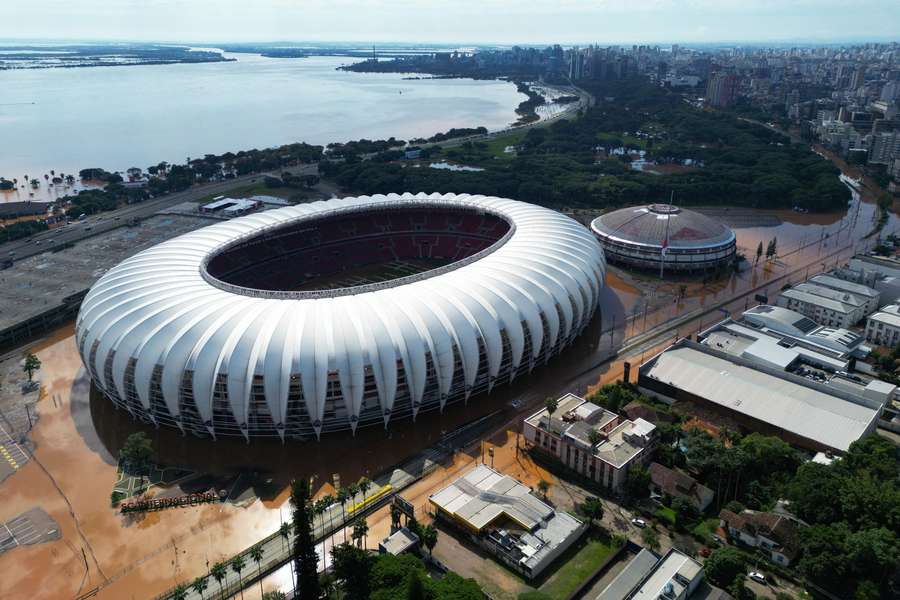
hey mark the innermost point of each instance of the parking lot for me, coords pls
(31, 527)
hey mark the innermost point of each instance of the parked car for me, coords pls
(757, 577)
(639, 523)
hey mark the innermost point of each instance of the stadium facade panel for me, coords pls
(635, 237)
(339, 314)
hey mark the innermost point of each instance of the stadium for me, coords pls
(339, 314)
(636, 236)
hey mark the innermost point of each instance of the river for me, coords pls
(135, 116)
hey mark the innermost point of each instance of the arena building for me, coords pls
(645, 236)
(340, 314)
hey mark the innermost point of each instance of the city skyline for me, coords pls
(500, 22)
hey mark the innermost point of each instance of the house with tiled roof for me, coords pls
(773, 533)
(675, 484)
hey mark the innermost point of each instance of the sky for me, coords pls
(566, 22)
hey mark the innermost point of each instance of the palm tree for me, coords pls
(237, 565)
(429, 537)
(551, 405)
(285, 531)
(256, 553)
(318, 511)
(200, 585)
(360, 529)
(180, 592)
(342, 498)
(543, 485)
(364, 485)
(219, 572)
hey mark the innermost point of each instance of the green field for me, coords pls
(498, 144)
(577, 568)
(666, 515)
(253, 189)
(706, 528)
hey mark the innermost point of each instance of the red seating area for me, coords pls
(329, 246)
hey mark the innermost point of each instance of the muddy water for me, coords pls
(78, 435)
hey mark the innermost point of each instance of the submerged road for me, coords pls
(97, 224)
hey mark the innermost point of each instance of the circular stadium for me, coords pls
(637, 236)
(338, 314)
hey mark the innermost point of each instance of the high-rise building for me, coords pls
(721, 89)
(859, 78)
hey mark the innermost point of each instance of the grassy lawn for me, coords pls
(577, 568)
(706, 528)
(254, 189)
(666, 515)
(496, 146)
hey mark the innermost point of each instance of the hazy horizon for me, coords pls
(459, 22)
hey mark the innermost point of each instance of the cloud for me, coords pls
(460, 21)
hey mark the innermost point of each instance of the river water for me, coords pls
(121, 117)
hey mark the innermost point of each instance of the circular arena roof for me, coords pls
(287, 320)
(646, 226)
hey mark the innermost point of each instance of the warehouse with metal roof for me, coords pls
(759, 398)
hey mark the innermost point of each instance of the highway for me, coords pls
(103, 222)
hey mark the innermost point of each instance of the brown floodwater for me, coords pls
(78, 434)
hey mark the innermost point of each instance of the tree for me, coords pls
(200, 584)
(543, 486)
(414, 588)
(551, 404)
(360, 529)
(685, 511)
(650, 538)
(306, 560)
(429, 537)
(592, 508)
(637, 482)
(328, 583)
(867, 590)
(32, 364)
(256, 553)
(352, 566)
(342, 497)
(274, 595)
(595, 437)
(724, 565)
(759, 251)
(219, 571)
(137, 453)
(237, 565)
(180, 592)
(364, 486)
(285, 532)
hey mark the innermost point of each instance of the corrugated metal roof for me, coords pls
(804, 411)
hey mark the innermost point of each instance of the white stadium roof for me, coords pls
(159, 315)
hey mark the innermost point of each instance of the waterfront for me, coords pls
(119, 117)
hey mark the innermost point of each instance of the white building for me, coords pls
(500, 514)
(675, 576)
(883, 328)
(567, 436)
(823, 305)
(868, 295)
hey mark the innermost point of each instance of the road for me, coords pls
(79, 230)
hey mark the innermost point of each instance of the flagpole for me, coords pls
(665, 245)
